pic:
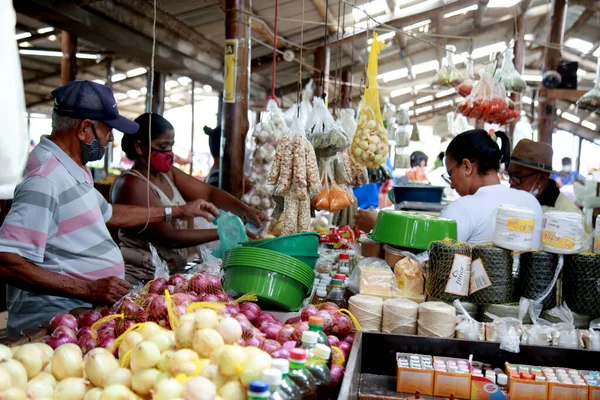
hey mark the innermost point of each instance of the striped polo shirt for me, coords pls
(58, 222)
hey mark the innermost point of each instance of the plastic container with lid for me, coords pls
(392, 255)
(336, 293)
(317, 365)
(301, 376)
(344, 262)
(287, 384)
(273, 377)
(258, 390)
(370, 248)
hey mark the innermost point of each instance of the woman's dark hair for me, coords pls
(416, 158)
(477, 145)
(214, 140)
(159, 127)
(441, 156)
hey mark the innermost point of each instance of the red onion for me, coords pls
(337, 373)
(213, 284)
(105, 342)
(232, 308)
(253, 341)
(298, 329)
(264, 318)
(329, 306)
(247, 328)
(341, 324)
(181, 309)
(269, 346)
(241, 317)
(108, 324)
(309, 311)
(211, 298)
(250, 310)
(180, 288)
(270, 330)
(176, 280)
(181, 299)
(289, 344)
(55, 342)
(281, 353)
(285, 334)
(63, 320)
(158, 308)
(134, 311)
(121, 327)
(65, 331)
(268, 315)
(85, 331)
(327, 321)
(349, 338)
(164, 323)
(345, 347)
(86, 343)
(87, 318)
(194, 297)
(222, 296)
(158, 286)
(241, 342)
(107, 332)
(333, 340)
(105, 311)
(293, 320)
(198, 284)
(148, 299)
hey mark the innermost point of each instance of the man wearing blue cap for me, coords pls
(56, 252)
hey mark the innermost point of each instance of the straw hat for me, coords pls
(533, 155)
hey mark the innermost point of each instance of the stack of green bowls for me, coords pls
(303, 247)
(277, 279)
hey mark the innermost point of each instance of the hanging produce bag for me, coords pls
(347, 121)
(591, 100)
(508, 76)
(332, 197)
(326, 135)
(466, 87)
(370, 145)
(448, 75)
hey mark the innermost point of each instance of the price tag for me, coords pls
(458, 280)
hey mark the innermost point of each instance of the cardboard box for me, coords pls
(447, 383)
(593, 391)
(561, 391)
(528, 390)
(410, 380)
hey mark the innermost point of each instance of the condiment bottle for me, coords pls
(287, 384)
(300, 375)
(320, 296)
(502, 381)
(258, 390)
(317, 365)
(343, 262)
(336, 293)
(309, 340)
(273, 377)
(315, 324)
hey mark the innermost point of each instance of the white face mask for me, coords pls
(566, 168)
(535, 191)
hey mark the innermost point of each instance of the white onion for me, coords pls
(5, 353)
(39, 389)
(98, 364)
(165, 359)
(17, 372)
(185, 361)
(32, 359)
(230, 329)
(144, 355)
(117, 392)
(93, 394)
(48, 351)
(121, 376)
(184, 333)
(205, 341)
(167, 389)
(129, 341)
(232, 360)
(70, 389)
(185, 318)
(164, 339)
(148, 329)
(232, 391)
(13, 394)
(5, 379)
(44, 377)
(67, 362)
(206, 318)
(254, 367)
(199, 388)
(143, 381)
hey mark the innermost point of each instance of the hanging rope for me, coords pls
(299, 92)
(274, 68)
(322, 80)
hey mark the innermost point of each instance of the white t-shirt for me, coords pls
(475, 215)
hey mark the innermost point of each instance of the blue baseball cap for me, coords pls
(91, 100)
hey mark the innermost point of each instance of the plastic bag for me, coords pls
(346, 118)
(161, 268)
(592, 338)
(508, 330)
(389, 118)
(466, 327)
(210, 264)
(231, 232)
(370, 144)
(466, 87)
(409, 274)
(564, 333)
(332, 197)
(326, 135)
(372, 276)
(591, 100)
(508, 76)
(402, 117)
(448, 75)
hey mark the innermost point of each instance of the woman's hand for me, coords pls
(257, 217)
(365, 219)
(196, 208)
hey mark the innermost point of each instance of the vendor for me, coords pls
(56, 252)
(567, 176)
(472, 163)
(169, 187)
(530, 169)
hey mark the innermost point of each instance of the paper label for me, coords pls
(230, 70)
(479, 277)
(520, 225)
(597, 245)
(458, 280)
(560, 234)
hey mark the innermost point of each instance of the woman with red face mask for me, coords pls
(174, 240)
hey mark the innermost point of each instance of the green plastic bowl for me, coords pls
(412, 229)
(306, 243)
(272, 288)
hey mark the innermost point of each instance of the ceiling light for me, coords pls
(536, 103)
(37, 115)
(120, 96)
(589, 125)
(393, 75)
(133, 93)
(207, 88)
(581, 72)
(416, 25)
(558, 111)
(489, 49)
(52, 38)
(570, 117)
(198, 90)
(597, 53)
(23, 35)
(143, 90)
(532, 78)
(136, 72)
(117, 77)
(45, 30)
(407, 105)
(445, 93)
(425, 67)
(502, 3)
(526, 100)
(529, 37)
(25, 44)
(401, 92)
(98, 81)
(372, 8)
(462, 11)
(411, 113)
(578, 44)
(443, 104)
(184, 80)
(423, 109)
(55, 53)
(424, 99)
(421, 86)
(171, 84)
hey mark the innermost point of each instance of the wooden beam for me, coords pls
(482, 6)
(68, 63)
(580, 23)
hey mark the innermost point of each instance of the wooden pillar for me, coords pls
(346, 101)
(235, 102)
(321, 64)
(110, 70)
(68, 64)
(519, 63)
(193, 100)
(547, 108)
(158, 95)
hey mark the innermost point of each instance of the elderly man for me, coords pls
(55, 249)
(530, 169)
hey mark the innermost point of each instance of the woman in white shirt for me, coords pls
(472, 163)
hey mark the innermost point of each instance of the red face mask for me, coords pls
(161, 160)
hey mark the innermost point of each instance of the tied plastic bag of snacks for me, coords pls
(564, 333)
(448, 75)
(326, 135)
(508, 76)
(347, 121)
(332, 197)
(591, 100)
(370, 143)
(466, 87)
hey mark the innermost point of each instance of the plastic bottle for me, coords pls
(273, 377)
(300, 375)
(309, 340)
(317, 366)
(343, 262)
(320, 296)
(287, 384)
(336, 293)
(258, 390)
(503, 383)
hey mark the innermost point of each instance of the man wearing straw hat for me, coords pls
(530, 169)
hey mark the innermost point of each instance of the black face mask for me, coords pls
(92, 151)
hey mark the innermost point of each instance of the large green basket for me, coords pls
(302, 246)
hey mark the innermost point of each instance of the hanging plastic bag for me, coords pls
(210, 264)
(466, 327)
(326, 135)
(231, 232)
(508, 76)
(591, 100)
(441, 126)
(161, 268)
(346, 118)
(389, 118)
(508, 330)
(564, 333)
(592, 338)
(466, 87)
(448, 75)
(332, 197)
(370, 144)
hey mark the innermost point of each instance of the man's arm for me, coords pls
(24, 275)
(124, 216)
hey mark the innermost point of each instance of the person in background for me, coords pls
(530, 170)
(418, 166)
(439, 161)
(472, 162)
(169, 187)
(214, 144)
(56, 252)
(567, 176)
